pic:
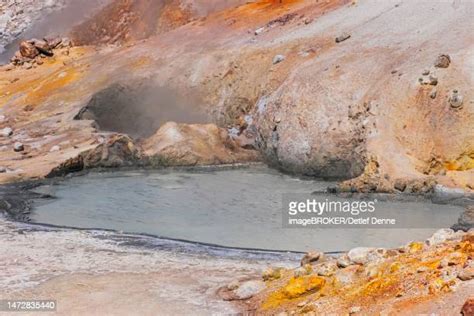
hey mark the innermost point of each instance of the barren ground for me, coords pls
(355, 110)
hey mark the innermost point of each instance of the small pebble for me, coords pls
(17, 147)
(55, 148)
(6, 132)
(342, 37)
(456, 100)
(433, 80)
(278, 59)
(258, 31)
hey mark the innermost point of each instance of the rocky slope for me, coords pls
(435, 276)
(372, 106)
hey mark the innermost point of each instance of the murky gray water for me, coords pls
(236, 208)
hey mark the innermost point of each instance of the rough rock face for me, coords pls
(118, 151)
(124, 21)
(350, 109)
(28, 50)
(304, 131)
(399, 280)
(194, 144)
(331, 114)
(466, 220)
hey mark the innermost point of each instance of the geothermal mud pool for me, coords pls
(233, 208)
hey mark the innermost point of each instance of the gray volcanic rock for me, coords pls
(342, 37)
(360, 255)
(249, 288)
(7, 131)
(18, 147)
(316, 135)
(465, 221)
(443, 61)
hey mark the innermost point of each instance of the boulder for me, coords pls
(43, 47)
(28, 50)
(194, 144)
(117, 151)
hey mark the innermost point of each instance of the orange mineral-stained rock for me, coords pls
(194, 144)
(295, 288)
(402, 281)
(468, 307)
(28, 50)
